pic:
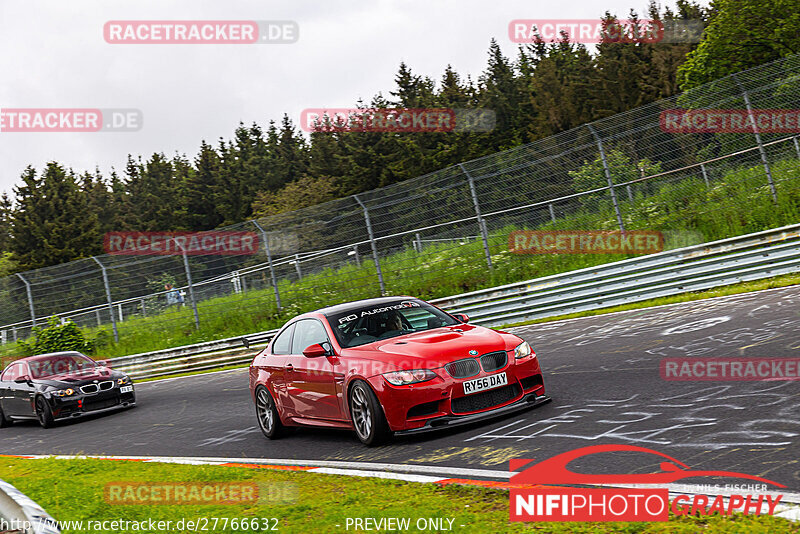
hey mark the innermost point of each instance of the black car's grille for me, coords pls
(463, 368)
(100, 404)
(90, 389)
(494, 361)
(484, 400)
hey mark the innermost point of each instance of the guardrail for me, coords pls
(744, 258)
(18, 513)
(739, 259)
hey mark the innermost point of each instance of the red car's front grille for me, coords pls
(463, 368)
(484, 400)
(494, 361)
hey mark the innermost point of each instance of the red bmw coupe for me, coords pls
(390, 365)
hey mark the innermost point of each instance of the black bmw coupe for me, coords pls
(61, 385)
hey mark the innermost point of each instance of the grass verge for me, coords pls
(73, 490)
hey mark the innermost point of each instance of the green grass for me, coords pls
(688, 212)
(73, 490)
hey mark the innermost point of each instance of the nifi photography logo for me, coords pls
(551, 502)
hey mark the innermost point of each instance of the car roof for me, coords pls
(355, 305)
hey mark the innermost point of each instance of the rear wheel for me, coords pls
(367, 414)
(43, 413)
(267, 413)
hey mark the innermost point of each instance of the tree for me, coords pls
(201, 210)
(5, 222)
(52, 222)
(742, 34)
(303, 192)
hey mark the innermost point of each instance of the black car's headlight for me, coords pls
(124, 380)
(403, 378)
(64, 392)
(523, 350)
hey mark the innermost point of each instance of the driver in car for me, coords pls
(393, 322)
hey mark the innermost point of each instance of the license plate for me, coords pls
(126, 389)
(484, 383)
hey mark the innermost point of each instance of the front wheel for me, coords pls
(367, 414)
(3, 421)
(43, 413)
(267, 413)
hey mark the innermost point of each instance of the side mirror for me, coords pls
(246, 342)
(315, 351)
(463, 317)
(23, 379)
(102, 363)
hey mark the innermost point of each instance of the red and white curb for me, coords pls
(440, 475)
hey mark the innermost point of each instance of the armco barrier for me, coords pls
(18, 513)
(748, 257)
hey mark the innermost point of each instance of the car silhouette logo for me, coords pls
(554, 470)
(473, 352)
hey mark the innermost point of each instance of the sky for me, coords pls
(55, 56)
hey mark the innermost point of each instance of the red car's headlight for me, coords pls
(523, 350)
(403, 378)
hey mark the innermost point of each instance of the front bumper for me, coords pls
(442, 400)
(79, 406)
(528, 401)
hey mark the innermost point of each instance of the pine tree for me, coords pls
(201, 210)
(5, 222)
(52, 222)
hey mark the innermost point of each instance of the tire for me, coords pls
(3, 421)
(43, 413)
(268, 419)
(367, 415)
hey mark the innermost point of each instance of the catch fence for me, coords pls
(447, 232)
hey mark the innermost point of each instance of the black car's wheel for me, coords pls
(367, 414)
(43, 413)
(3, 421)
(267, 413)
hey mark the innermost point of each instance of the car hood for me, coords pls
(433, 348)
(80, 378)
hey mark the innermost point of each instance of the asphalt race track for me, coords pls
(603, 375)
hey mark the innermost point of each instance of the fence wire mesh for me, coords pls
(447, 232)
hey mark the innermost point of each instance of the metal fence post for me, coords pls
(705, 175)
(358, 257)
(608, 177)
(796, 147)
(481, 224)
(191, 289)
(30, 298)
(552, 213)
(269, 261)
(297, 267)
(108, 298)
(144, 309)
(763, 152)
(372, 243)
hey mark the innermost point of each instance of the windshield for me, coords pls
(369, 324)
(61, 364)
